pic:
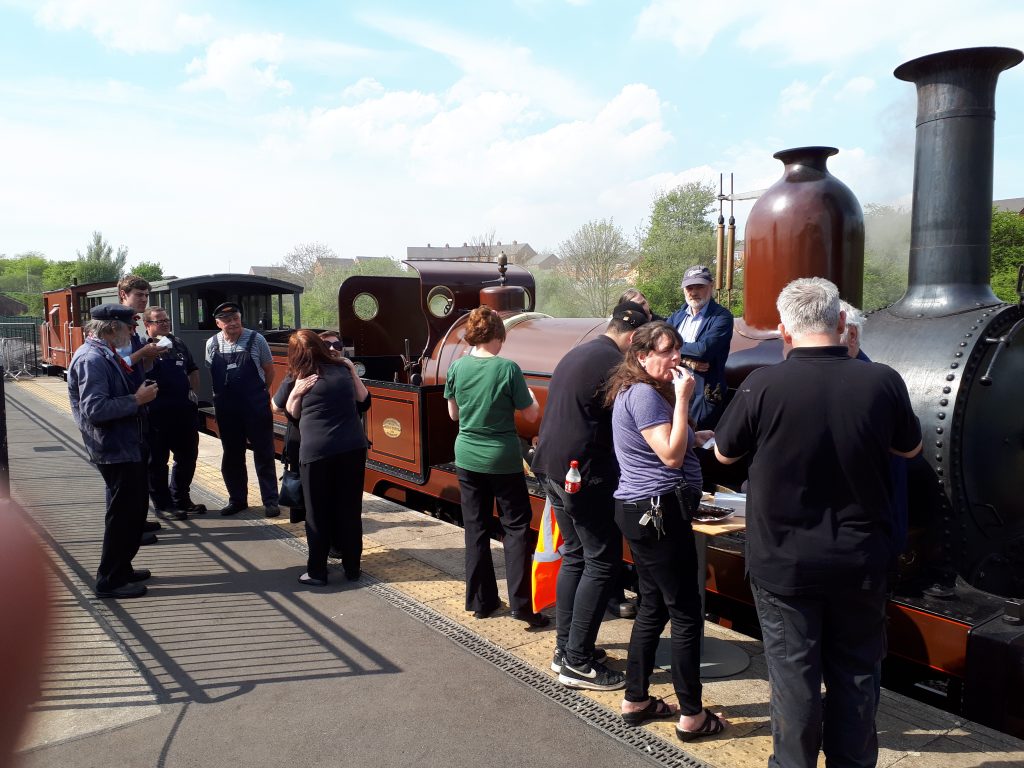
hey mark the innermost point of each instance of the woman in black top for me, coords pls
(326, 396)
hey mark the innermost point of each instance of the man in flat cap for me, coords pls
(107, 407)
(706, 328)
(577, 426)
(242, 373)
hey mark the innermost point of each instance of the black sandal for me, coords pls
(712, 726)
(656, 709)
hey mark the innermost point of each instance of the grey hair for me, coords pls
(101, 328)
(809, 305)
(146, 315)
(854, 317)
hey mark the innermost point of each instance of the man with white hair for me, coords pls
(851, 335)
(820, 427)
(107, 406)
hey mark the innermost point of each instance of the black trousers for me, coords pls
(836, 637)
(127, 504)
(666, 568)
(236, 425)
(480, 491)
(591, 559)
(173, 431)
(333, 491)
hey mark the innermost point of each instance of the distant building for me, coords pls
(276, 273)
(331, 263)
(9, 306)
(1011, 204)
(517, 253)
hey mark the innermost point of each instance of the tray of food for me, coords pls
(712, 513)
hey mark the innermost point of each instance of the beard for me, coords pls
(696, 305)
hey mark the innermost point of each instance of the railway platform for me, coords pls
(228, 660)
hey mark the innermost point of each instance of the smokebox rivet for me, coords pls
(946, 390)
(954, 365)
(941, 415)
(959, 354)
(943, 401)
(938, 430)
(950, 377)
(938, 443)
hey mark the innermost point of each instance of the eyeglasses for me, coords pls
(165, 321)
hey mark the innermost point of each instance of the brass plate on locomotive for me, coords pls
(392, 427)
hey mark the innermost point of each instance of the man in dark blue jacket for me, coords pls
(706, 328)
(106, 406)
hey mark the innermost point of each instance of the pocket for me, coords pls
(628, 521)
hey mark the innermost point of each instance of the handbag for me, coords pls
(291, 489)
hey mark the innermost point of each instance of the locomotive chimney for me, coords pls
(950, 235)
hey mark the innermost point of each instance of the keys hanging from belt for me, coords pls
(654, 517)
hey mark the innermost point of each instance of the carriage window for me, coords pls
(440, 301)
(365, 306)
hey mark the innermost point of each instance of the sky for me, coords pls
(213, 136)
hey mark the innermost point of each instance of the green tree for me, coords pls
(597, 259)
(59, 274)
(886, 254)
(98, 263)
(21, 278)
(678, 235)
(1007, 253)
(556, 295)
(150, 270)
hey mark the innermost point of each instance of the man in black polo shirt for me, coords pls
(821, 427)
(578, 427)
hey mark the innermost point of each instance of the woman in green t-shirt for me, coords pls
(484, 391)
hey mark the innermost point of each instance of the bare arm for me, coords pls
(302, 386)
(268, 370)
(453, 409)
(361, 391)
(532, 411)
(726, 459)
(908, 454)
(670, 441)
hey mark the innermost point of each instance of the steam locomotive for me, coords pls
(957, 606)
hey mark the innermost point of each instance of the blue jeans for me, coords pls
(835, 637)
(591, 557)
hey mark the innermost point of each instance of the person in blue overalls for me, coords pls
(173, 420)
(242, 371)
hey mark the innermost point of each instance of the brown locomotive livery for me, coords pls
(958, 602)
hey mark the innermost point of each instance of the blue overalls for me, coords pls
(242, 404)
(173, 428)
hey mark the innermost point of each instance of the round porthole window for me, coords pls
(365, 306)
(440, 301)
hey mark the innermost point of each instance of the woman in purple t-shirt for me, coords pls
(659, 490)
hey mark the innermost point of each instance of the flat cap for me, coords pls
(630, 313)
(113, 312)
(227, 308)
(698, 275)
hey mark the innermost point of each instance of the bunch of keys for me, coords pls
(653, 517)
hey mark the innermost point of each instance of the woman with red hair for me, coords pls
(326, 396)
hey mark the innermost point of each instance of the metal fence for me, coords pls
(19, 345)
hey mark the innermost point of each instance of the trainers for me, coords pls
(600, 654)
(593, 677)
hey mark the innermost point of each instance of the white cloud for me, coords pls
(241, 67)
(854, 87)
(798, 96)
(364, 87)
(129, 25)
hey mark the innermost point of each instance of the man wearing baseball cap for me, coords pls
(706, 328)
(242, 373)
(107, 407)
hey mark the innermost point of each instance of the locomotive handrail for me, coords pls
(1001, 342)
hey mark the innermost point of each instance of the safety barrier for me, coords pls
(19, 346)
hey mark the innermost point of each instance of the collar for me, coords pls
(689, 311)
(819, 353)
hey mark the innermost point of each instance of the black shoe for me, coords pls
(147, 539)
(624, 609)
(233, 508)
(352, 575)
(140, 574)
(335, 553)
(271, 510)
(195, 509)
(600, 654)
(127, 590)
(296, 515)
(535, 620)
(591, 677)
(151, 525)
(486, 611)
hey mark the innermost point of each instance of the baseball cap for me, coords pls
(630, 313)
(698, 275)
(227, 308)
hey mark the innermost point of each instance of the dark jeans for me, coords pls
(666, 568)
(835, 637)
(479, 491)
(127, 504)
(237, 425)
(333, 491)
(591, 557)
(173, 431)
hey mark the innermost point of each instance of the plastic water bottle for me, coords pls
(573, 481)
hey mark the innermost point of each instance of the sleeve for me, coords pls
(97, 403)
(734, 434)
(714, 342)
(363, 407)
(647, 407)
(283, 392)
(906, 426)
(517, 386)
(209, 350)
(262, 349)
(449, 382)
